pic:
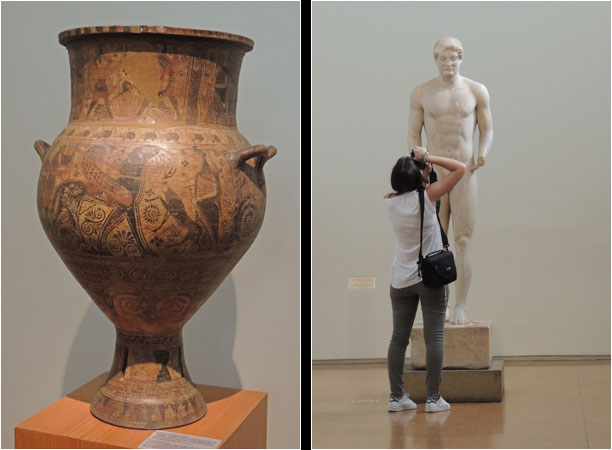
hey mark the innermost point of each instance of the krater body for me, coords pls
(151, 195)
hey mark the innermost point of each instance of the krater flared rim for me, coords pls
(74, 33)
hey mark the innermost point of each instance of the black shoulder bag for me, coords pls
(438, 268)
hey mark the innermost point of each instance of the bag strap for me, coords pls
(444, 238)
(422, 204)
(433, 177)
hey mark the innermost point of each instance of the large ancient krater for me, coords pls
(151, 195)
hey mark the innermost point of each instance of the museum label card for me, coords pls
(166, 439)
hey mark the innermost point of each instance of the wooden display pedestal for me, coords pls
(238, 418)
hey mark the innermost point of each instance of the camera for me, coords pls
(420, 164)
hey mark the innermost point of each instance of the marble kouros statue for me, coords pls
(450, 107)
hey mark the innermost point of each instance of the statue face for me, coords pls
(448, 63)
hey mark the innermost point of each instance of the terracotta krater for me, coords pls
(151, 195)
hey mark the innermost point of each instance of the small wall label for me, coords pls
(362, 282)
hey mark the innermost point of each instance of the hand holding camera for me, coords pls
(418, 154)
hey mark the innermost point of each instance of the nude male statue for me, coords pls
(449, 107)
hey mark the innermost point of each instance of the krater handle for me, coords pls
(41, 148)
(261, 152)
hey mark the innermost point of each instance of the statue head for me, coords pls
(448, 43)
(448, 53)
(405, 176)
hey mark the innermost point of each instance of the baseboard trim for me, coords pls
(321, 362)
(557, 358)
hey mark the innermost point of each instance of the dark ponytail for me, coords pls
(405, 176)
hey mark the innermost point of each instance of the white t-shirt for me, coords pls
(405, 217)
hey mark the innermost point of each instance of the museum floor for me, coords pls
(546, 405)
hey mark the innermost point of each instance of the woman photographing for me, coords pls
(407, 287)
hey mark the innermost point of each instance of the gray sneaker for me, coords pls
(440, 405)
(402, 404)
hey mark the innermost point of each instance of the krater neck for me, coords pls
(155, 79)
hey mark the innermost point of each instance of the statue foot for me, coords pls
(448, 315)
(459, 317)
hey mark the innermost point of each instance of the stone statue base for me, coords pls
(465, 346)
(460, 385)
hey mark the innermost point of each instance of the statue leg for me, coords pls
(463, 206)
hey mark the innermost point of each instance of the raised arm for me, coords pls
(415, 121)
(485, 124)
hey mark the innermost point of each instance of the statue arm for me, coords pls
(485, 124)
(415, 121)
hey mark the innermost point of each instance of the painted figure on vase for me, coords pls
(449, 108)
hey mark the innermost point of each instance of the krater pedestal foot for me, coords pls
(148, 386)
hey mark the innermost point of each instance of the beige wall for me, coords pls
(541, 248)
(247, 335)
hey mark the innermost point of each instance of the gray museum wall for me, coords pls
(541, 247)
(53, 337)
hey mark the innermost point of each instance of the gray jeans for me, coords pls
(433, 304)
